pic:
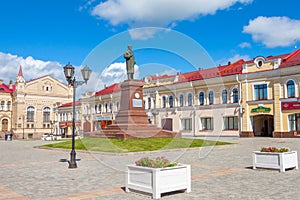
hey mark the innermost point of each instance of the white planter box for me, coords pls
(158, 180)
(274, 160)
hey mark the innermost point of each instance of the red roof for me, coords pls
(77, 103)
(109, 90)
(5, 88)
(288, 60)
(225, 70)
(291, 59)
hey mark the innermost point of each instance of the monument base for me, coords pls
(129, 131)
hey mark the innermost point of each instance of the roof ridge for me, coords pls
(291, 55)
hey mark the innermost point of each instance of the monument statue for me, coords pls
(130, 62)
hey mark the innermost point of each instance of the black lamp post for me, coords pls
(69, 71)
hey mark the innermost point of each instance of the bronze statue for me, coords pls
(130, 62)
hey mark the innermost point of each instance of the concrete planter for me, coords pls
(158, 180)
(274, 160)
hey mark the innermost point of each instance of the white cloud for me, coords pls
(158, 13)
(116, 73)
(274, 31)
(233, 59)
(245, 45)
(32, 68)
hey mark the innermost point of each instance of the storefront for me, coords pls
(101, 122)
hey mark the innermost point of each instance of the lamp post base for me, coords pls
(72, 163)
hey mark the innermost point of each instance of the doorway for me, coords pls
(263, 125)
(4, 125)
(167, 124)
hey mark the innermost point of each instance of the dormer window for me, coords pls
(47, 87)
(259, 61)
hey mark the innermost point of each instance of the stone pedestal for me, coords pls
(132, 108)
(132, 120)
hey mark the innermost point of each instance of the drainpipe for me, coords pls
(194, 111)
(240, 104)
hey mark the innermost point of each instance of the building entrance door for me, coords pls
(4, 125)
(263, 125)
(297, 123)
(167, 124)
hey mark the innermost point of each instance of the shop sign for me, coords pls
(290, 105)
(103, 118)
(261, 109)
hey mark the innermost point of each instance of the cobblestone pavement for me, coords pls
(220, 172)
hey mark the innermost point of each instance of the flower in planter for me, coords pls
(159, 162)
(274, 149)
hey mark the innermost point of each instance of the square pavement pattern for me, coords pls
(219, 172)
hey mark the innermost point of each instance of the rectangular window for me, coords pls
(261, 92)
(186, 124)
(231, 123)
(292, 122)
(207, 123)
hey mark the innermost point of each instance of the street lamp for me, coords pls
(69, 71)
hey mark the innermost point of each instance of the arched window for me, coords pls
(149, 103)
(118, 105)
(171, 101)
(164, 101)
(111, 107)
(224, 96)
(290, 89)
(201, 98)
(2, 105)
(99, 108)
(46, 114)
(211, 97)
(9, 105)
(30, 114)
(181, 100)
(106, 107)
(190, 99)
(235, 95)
(96, 109)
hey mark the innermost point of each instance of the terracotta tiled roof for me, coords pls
(291, 59)
(77, 103)
(5, 88)
(225, 70)
(109, 90)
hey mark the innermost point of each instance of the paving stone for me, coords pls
(220, 172)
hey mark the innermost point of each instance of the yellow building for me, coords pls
(28, 107)
(259, 97)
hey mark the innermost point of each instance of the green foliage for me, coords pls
(159, 162)
(134, 145)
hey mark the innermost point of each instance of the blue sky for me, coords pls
(43, 36)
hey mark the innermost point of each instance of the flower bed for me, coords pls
(158, 176)
(275, 158)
